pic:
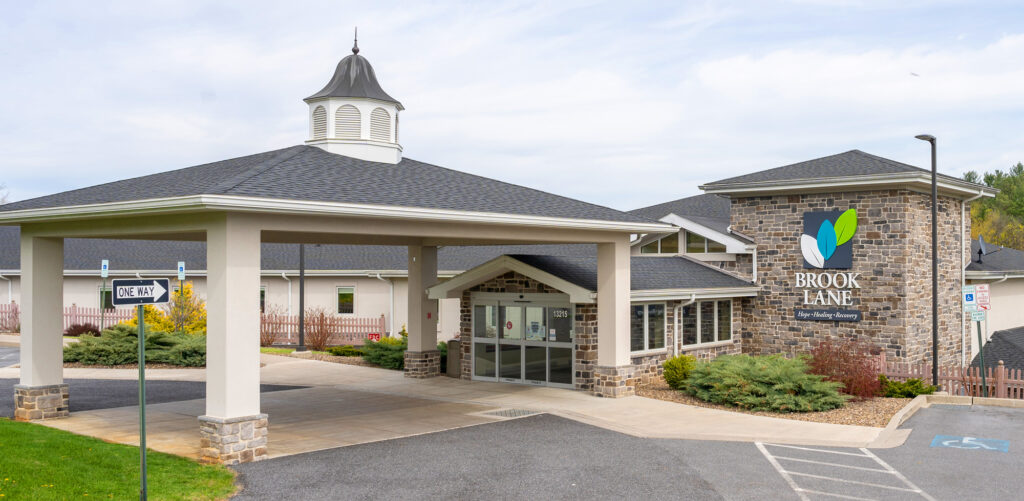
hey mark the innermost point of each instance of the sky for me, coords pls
(624, 104)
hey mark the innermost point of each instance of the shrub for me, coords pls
(186, 311)
(86, 329)
(849, 363)
(272, 324)
(677, 369)
(345, 351)
(907, 389)
(442, 346)
(156, 320)
(318, 327)
(767, 383)
(119, 345)
(388, 353)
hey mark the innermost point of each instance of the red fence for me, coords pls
(284, 329)
(80, 315)
(10, 317)
(965, 381)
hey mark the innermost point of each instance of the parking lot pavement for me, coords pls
(962, 469)
(89, 394)
(9, 355)
(536, 457)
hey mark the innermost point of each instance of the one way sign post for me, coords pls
(140, 293)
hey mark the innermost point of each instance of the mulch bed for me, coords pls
(875, 412)
(333, 359)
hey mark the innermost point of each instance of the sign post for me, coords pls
(181, 293)
(140, 293)
(981, 296)
(104, 272)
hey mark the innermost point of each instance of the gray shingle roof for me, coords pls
(850, 163)
(646, 273)
(706, 206)
(998, 259)
(311, 174)
(1006, 345)
(354, 77)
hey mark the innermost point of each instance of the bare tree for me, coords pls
(3, 193)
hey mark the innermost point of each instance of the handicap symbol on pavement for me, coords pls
(973, 443)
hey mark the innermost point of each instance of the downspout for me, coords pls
(286, 279)
(963, 276)
(753, 275)
(677, 337)
(391, 314)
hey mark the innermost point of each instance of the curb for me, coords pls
(892, 435)
(986, 401)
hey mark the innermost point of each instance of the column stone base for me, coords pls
(232, 440)
(422, 364)
(615, 382)
(32, 403)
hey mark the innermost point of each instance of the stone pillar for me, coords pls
(233, 429)
(42, 393)
(614, 372)
(422, 359)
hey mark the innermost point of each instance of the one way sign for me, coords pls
(148, 291)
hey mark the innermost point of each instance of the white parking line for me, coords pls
(789, 474)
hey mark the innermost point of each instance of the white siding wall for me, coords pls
(1007, 311)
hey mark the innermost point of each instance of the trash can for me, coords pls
(454, 361)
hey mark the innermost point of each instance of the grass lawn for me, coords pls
(42, 463)
(275, 351)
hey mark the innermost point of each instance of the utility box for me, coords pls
(454, 362)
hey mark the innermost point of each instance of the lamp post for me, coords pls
(302, 298)
(935, 262)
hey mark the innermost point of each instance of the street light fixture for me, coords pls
(935, 262)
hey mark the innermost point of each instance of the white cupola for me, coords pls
(353, 116)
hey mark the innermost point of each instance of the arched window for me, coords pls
(380, 125)
(346, 123)
(319, 122)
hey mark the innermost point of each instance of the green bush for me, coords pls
(388, 353)
(907, 389)
(442, 346)
(345, 351)
(119, 345)
(677, 369)
(767, 383)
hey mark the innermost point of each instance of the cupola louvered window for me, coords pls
(346, 123)
(380, 125)
(319, 123)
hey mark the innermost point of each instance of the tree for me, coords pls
(187, 311)
(3, 193)
(1000, 219)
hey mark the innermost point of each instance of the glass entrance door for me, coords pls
(523, 342)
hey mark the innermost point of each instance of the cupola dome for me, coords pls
(353, 116)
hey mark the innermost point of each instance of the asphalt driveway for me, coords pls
(9, 355)
(90, 394)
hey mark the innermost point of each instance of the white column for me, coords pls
(613, 303)
(42, 310)
(233, 318)
(422, 311)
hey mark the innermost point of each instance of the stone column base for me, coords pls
(615, 382)
(232, 440)
(422, 364)
(40, 402)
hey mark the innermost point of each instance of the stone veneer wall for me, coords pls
(891, 252)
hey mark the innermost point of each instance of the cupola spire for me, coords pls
(355, 43)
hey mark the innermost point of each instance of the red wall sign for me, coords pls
(508, 325)
(374, 336)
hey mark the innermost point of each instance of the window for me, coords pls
(666, 245)
(696, 244)
(346, 122)
(106, 298)
(647, 327)
(380, 125)
(319, 122)
(707, 322)
(346, 300)
(263, 299)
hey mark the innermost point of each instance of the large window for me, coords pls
(346, 300)
(666, 245)
(707, 322)
(263, 299)
(106, 298)
(696, 244)
(647, 327)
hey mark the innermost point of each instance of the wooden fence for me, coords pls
(284, 329)
(75, 314)
(10, 317)
(963, 381)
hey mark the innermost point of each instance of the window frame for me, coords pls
(263, 298)
(337, 306)
(106, 289)
(658, 245)
(714, 325)
(707, 241)
(647, 328)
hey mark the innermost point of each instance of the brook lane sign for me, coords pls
(134, 292)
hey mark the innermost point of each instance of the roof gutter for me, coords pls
(792, 185)
(702, 293)
(198, 203)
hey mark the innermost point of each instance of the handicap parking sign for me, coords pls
(973, 443)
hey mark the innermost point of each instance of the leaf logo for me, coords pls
(818, 249)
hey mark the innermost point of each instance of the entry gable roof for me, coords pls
(310, 174)
(851, 169)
